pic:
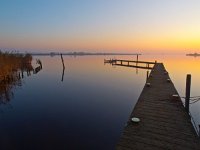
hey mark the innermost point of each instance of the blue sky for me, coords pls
(98, 25)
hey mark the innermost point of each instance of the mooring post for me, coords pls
(63, 72)
(199, 130)
(62, 60)
(187, 93)
(147, 76)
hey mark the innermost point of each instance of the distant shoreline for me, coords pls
(81, 54)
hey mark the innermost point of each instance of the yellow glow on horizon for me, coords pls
(172, 40)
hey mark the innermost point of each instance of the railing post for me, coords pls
(187, 93)
(137, 57)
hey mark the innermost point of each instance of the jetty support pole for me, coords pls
(147, 76)
(187, 93)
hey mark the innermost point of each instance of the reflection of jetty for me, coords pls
(194, 54)
(163, 121)
(131, 63)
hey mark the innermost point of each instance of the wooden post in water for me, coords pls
(147, 76)
(199, 130)
(63, 72)
(187, 93)
(137, 60)
(62, 60)
(136, 70)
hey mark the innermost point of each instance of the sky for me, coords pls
(146, 26)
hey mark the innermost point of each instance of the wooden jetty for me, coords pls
(131, 63)
(164, 123)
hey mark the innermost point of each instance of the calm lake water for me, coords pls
(89, 108)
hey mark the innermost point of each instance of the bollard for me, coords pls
(148, 84)
(187, 92)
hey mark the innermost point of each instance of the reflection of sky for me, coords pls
(178, 67)
(96, 25)
(92, 104)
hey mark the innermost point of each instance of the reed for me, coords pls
(10, 67)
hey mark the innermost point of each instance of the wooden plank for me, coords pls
(164, 123)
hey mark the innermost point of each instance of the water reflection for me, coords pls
(63, 71)
(13, 68)
(87, 111)
(63, 74)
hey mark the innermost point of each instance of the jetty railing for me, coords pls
(131, 63)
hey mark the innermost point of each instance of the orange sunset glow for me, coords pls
(131, 26)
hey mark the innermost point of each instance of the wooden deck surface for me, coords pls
(164, 122)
